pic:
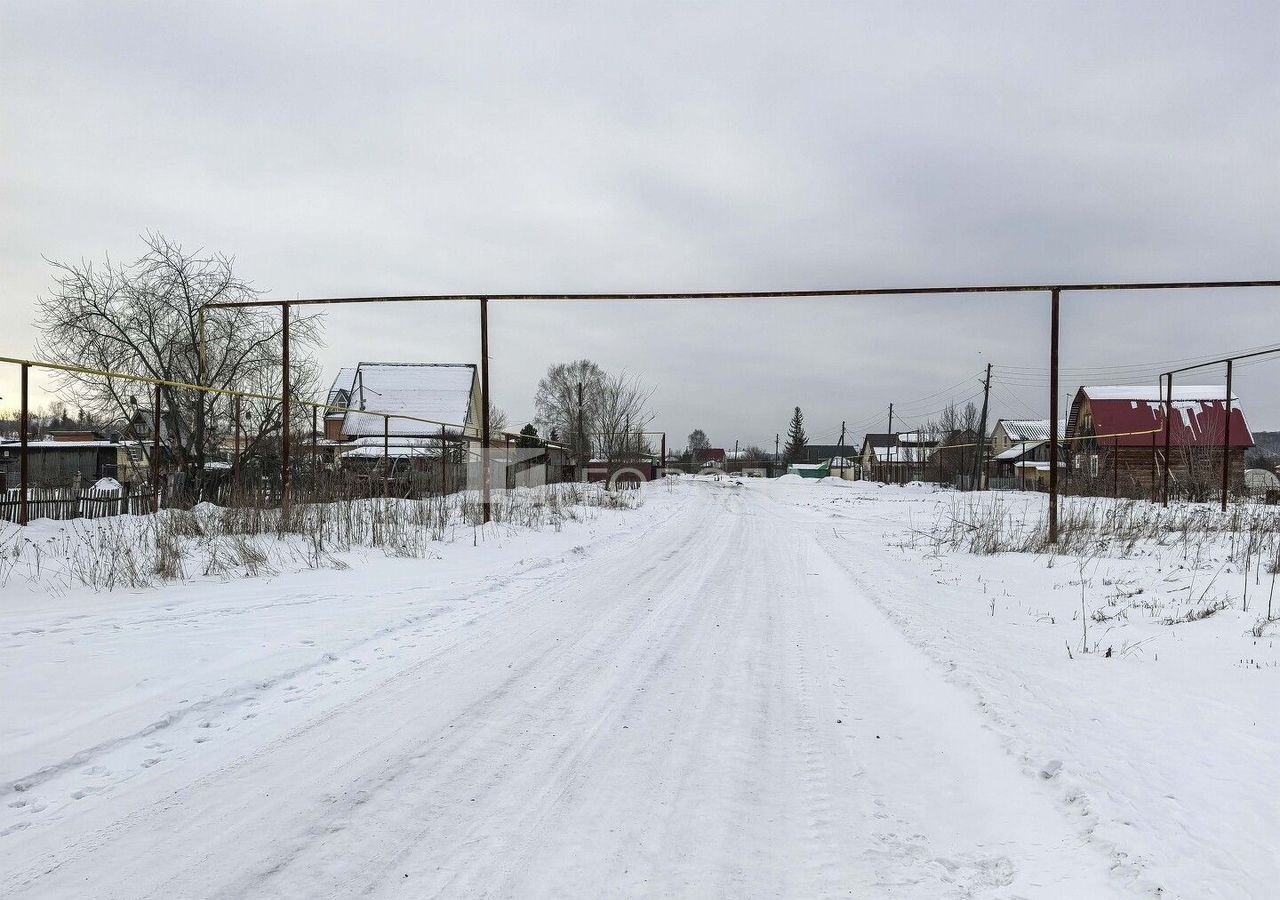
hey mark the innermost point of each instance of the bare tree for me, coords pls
(566, 404)
(144, 318)
(698, 443)
(622, 416)
(1196, 466)
(954, 435)
(497, 419)
(593, 412)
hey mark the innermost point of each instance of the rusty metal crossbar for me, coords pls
(1054, 290)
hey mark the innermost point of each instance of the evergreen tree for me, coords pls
(796, 438)
(529, 439)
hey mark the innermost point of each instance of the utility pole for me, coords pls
(581, 442)
(777, 456)
(889, 450)
(982, 433)
(841, 448)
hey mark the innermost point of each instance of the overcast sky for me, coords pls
(381, 148)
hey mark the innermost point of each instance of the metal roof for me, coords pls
(1017, 451)
(1198, 419)
(342, 384)
(1029, 429)
(439, 392)
(1153, 392)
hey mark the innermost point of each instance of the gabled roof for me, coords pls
(1029, 429)
(917, 438)
(341, 386)
(911, 453)
(1198, 418)
(435, 392)
(1017, 451)
(1151, 392)
(142, 423)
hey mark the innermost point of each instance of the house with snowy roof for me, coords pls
(897, 457)
(1015, 442)
(408, 400)
(1116, 435)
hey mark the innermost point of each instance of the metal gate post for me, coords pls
(1054, 305)
(486, 477)
(1168, 416)
(1226, 443)
(23, 474)
(284, 413)
(155, 455)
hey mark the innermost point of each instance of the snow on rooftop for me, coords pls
(1030, 429)
(1153, 393)
(435, 392)
(906, 454)
(346, 377)
(1018, 450)
(393, 452)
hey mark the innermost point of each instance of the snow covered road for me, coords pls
(698, 701)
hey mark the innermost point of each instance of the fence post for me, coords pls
(1226, 443)
(284, 413)
(155, 456)
(23, 472)
(235, 453)
(1168, 415)
(1152, 491)
(1115, 467)
(444, 466)
(1054, 308)
(487, 476)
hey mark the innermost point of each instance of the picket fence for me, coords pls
(70, 503)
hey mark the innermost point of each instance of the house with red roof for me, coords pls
(1116, 439)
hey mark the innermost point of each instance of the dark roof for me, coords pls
(827, 450)
(880, 440)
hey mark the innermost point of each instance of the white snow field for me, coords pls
(757, 690)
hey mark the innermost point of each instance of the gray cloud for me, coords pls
(382, 148)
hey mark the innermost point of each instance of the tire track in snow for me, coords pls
(136, 825)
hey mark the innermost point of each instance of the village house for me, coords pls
(1116, 440)
(1019, 451)
(396, 418)
(842, 460)
(710, 456)
(896, 458)
(419, 398)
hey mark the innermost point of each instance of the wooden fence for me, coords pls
(70, 503)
